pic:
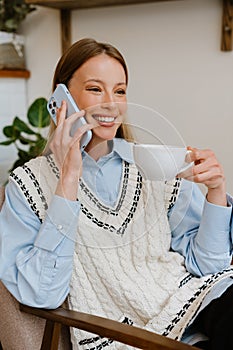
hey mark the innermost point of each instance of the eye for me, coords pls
(121, 92)
(94, 89)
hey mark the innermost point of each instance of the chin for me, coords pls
(106, 135)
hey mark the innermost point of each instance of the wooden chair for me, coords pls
(30, 328)
(130, 335)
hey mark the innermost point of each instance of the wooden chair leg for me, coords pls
(51, 336)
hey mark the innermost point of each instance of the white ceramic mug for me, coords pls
(160, 162)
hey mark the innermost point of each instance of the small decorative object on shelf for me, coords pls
(12, 13)
(11, 51)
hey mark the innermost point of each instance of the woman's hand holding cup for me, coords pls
(207, 170)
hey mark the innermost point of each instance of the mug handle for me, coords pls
(186, 165)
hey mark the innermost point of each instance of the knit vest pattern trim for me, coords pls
(123, 268)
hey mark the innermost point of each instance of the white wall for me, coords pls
(12, 103)
(175, 64)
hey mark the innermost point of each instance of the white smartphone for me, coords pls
(60, 94)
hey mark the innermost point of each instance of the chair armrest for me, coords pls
(130, 335)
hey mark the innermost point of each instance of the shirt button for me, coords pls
(59, 227)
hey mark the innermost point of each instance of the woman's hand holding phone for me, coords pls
(67, 153)
(61, 93)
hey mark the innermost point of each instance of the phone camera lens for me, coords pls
(50, 105)
(53, 111)
(54, 104)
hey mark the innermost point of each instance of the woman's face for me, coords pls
(99, 87)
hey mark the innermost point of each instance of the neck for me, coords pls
(98, 150)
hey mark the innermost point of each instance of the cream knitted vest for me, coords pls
(123, 266)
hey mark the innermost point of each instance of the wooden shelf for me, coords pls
(82, 4)
(66, 6)
(11, 73)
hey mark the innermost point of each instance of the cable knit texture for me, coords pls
(123, 267)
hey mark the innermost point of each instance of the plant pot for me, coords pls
(11, 51)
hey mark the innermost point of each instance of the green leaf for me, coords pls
(8, 131)
(17, 132)
(38, 115)
(6, 143)
(37, 148)
(25, 141)
(11, 132)
(22, 126)
(23, 155)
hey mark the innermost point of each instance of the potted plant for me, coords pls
(27, 136)
(12, 13)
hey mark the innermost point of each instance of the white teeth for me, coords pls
(104, 119)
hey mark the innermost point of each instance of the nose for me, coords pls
(108, 101)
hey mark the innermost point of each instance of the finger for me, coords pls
(70, 121)
(194, 155)
(75, 140)
(209, 181)
(81, 131)
(186, 174)
(209, 165)
(209, 176)
(73, 117)
(204, 166)
(62, 139)
(199, 156)
(61, 113)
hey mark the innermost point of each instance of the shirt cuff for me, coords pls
(214, 230)
(61, 222)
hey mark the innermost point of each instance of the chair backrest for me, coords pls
(2, 196)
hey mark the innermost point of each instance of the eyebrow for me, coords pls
(100, 81)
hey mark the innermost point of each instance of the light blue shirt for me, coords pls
(36, 260)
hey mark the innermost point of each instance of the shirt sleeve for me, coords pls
(36, 260)
(201, 231)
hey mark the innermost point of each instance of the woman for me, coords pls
(88, 226)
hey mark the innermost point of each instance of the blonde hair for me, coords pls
(74, 58)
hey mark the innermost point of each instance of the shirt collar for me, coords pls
(123, 149)
(120, 147)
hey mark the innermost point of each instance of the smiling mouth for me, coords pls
(104, 119)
